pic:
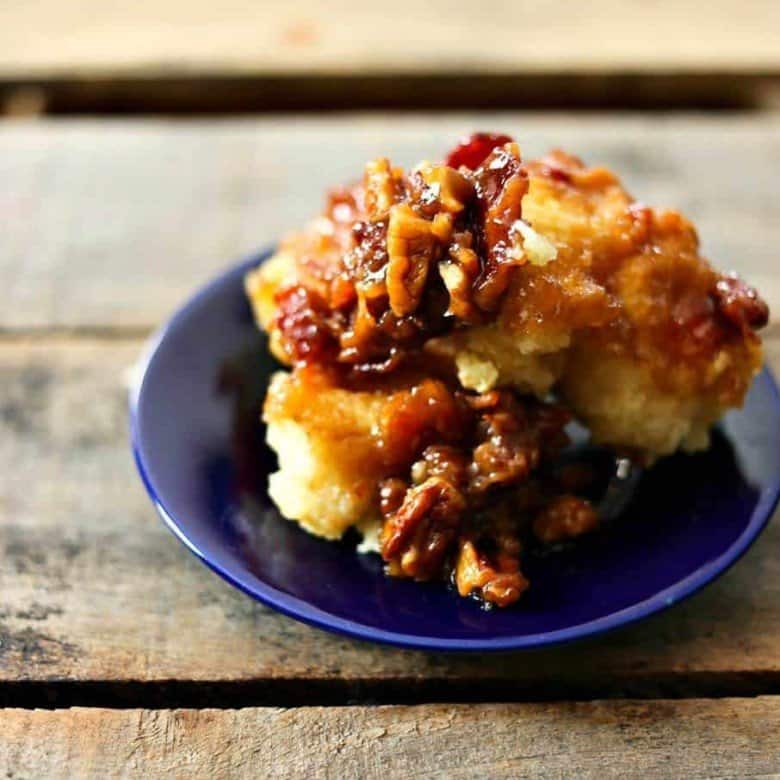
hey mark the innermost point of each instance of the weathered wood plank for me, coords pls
(115, 223)
(95, 39)
(691, 739)
(95, 589)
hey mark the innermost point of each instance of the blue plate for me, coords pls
(198, 443)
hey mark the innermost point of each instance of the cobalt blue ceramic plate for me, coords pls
(199, 447)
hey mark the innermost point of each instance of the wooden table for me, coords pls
(197, 55)
(121, 654)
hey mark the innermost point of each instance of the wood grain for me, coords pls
(95, 590)
(113, 224)
(92, 38)
(108, 226)
(105, 228)
(660, 739)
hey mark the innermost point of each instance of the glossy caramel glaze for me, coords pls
(416, 293)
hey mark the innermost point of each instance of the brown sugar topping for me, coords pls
(406, 257)
(425, 253)
(461, 453)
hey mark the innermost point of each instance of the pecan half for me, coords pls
(417, 536)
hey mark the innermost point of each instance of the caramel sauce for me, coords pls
(401, 258)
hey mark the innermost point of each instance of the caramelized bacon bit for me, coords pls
(472, 151)
(739, 303)
(565, 517)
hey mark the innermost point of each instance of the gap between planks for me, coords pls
(414, 691)
(205, 94)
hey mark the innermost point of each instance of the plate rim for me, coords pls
(303, 611)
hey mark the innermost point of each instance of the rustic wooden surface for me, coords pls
(105, 228)
(194, 37)
(691, 739)
(95, 589)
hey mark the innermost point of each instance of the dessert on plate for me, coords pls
(443, 325)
